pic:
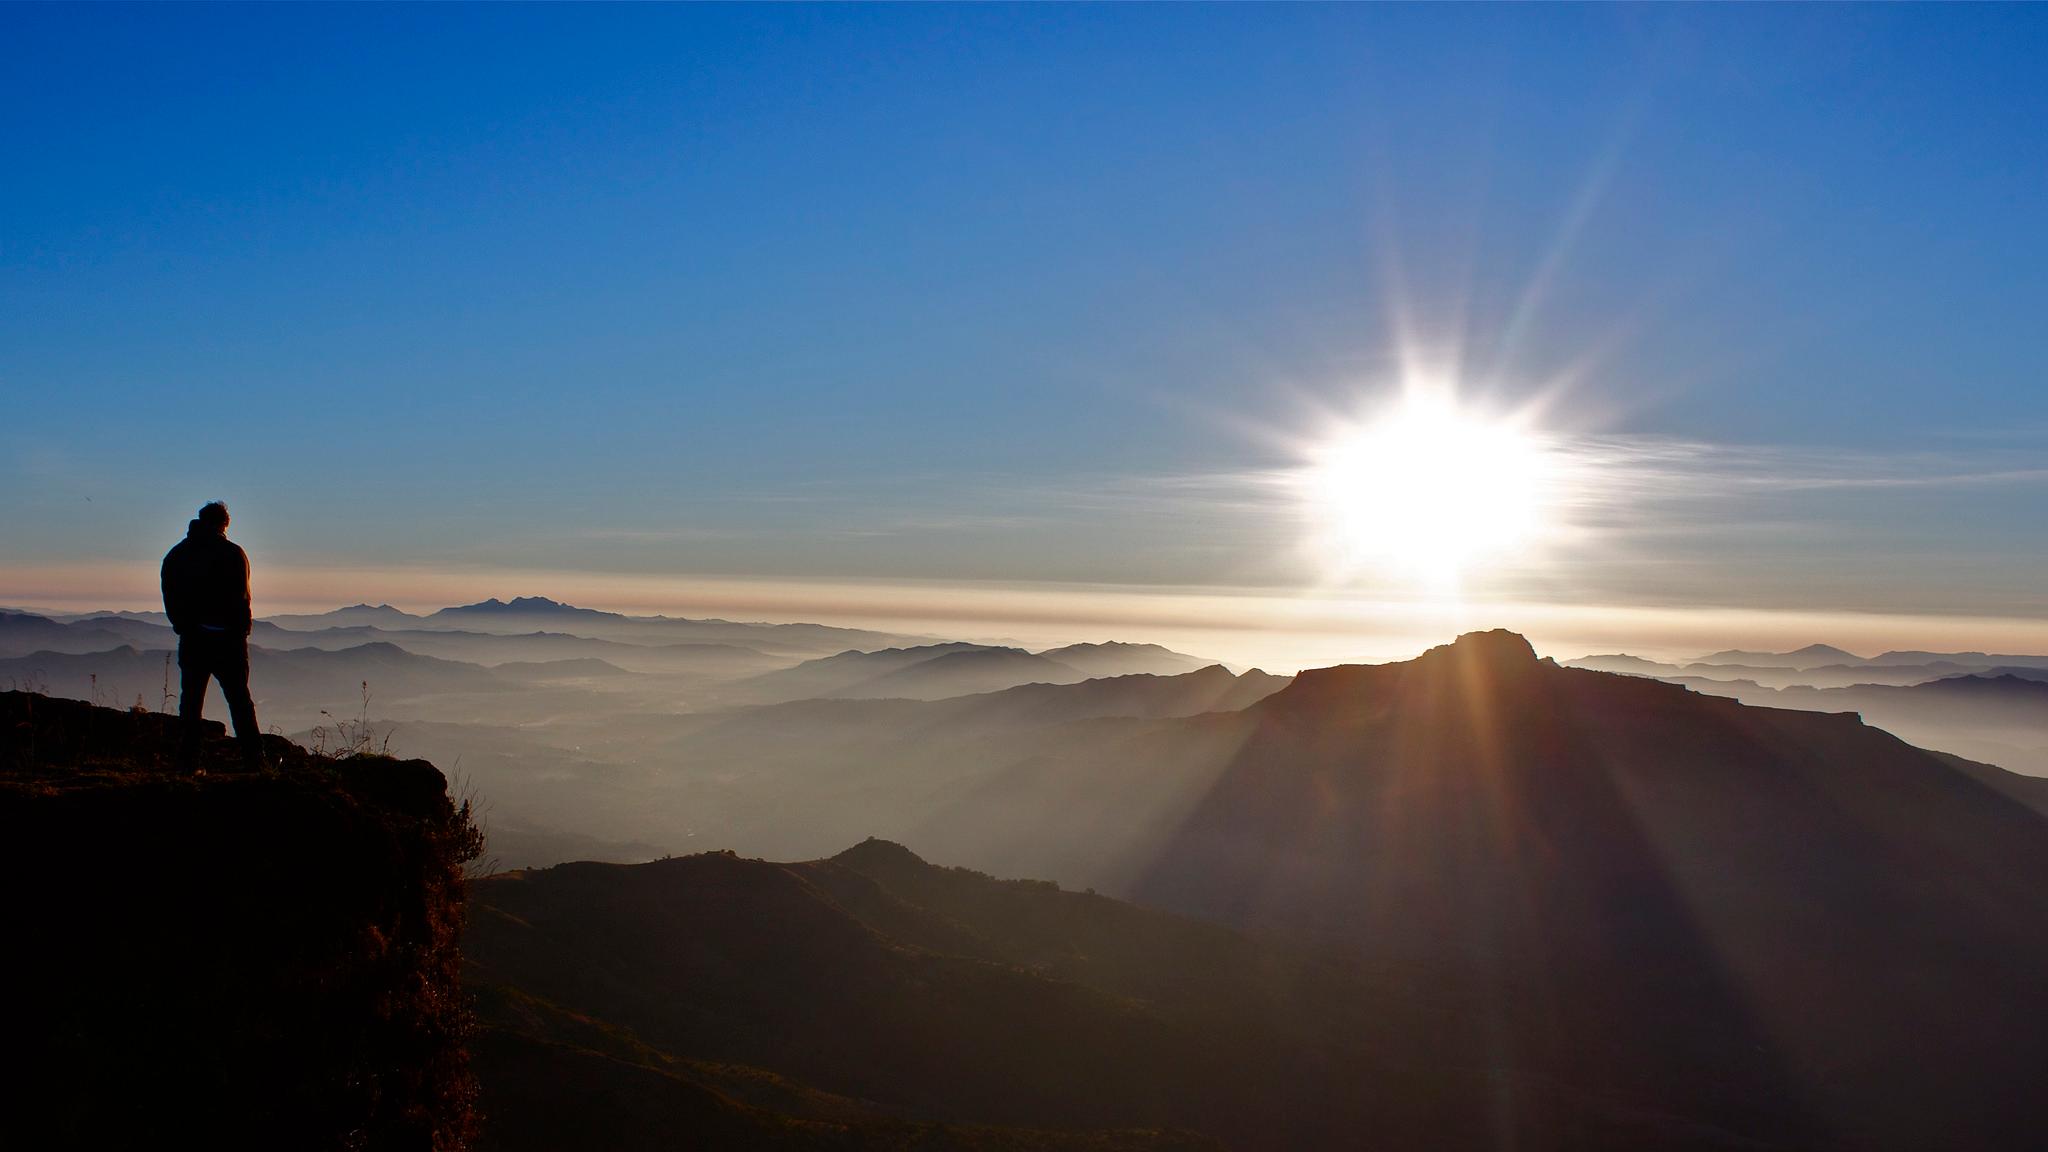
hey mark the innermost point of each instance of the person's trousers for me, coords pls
(221, 656)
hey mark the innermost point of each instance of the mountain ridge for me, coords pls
(1648, 853)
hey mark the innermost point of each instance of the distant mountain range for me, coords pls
(1811, 656)
(2002, 718)
(526, 614)
(1115, 658)
(1962, 702)
(353, 616)
(22, 633)
(964, 672)
(936, 671)
(529, 613)
(491, 648)
(1781, 676)
(1824, 655)
(300, 683)
(1053, 780)
(828, 675)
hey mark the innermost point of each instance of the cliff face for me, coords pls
(254, 961)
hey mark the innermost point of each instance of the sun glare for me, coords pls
(1428, 490)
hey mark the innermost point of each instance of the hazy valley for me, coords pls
(592, 735)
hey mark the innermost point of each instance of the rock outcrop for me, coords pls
(233, 959)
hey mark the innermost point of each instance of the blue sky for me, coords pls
(1024, 295)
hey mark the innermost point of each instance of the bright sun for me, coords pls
(1428, 490)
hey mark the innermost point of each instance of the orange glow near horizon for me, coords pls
(1280, 631)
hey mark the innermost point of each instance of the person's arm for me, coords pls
(173, 582)
(248, 614)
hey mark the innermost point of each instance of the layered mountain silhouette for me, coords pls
(2016, 671)
(1779, 676)
(530, 613)
(23, 633)
(2000, 716)
(1811, 656)
(1576, 909)
(353, 616)
(831, 675)
(1963, 702)
(1471, 900)
(1145, 696)
(1626, 665)
(963, 673)
(1054, 780)
(1971, 659)
(574, 668)
(1116, 658)
(937, 671)
(328, 679)
(1819, 666)
(493, 648)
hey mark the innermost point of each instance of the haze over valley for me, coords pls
(596, 735)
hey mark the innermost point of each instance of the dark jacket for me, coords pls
(206, 584)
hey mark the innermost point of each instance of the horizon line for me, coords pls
(1267, 628)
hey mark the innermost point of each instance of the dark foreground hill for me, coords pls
(712, 1001)
(226, 961)
(933, 1008)
(752, 997)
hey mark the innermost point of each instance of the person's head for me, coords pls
(214, 516)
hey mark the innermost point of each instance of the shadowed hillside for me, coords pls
(723, 1002)
(873, 988)
(1785, 923)
(251, 961)
(874, 984)
(558, 1095)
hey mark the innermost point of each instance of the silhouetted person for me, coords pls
(206, 595)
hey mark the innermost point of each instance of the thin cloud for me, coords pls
(1690, 467)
